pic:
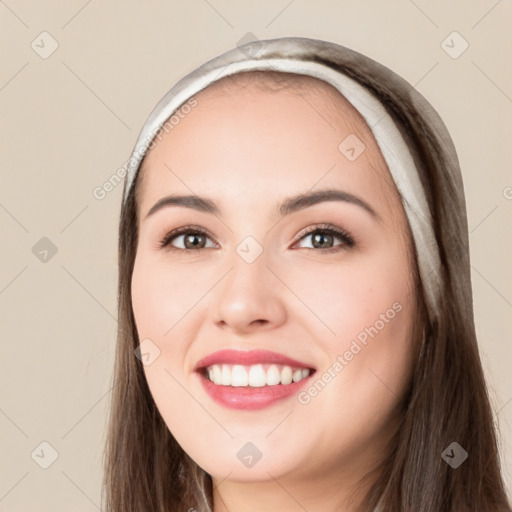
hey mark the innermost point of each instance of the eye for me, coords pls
(193, 238)
(323, 236)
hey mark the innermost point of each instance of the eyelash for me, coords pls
(347, 239)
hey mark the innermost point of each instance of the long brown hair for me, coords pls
(147, 471)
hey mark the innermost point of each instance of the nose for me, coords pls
(250, 298)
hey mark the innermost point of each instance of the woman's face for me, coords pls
(261, 278)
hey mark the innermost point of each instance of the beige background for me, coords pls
(69, 121)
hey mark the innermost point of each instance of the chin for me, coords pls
(244, 461)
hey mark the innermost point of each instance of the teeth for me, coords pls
(216, 373)
(273, 376)
(226, 375)
(286, 375)
(257, 375)
(239, 376)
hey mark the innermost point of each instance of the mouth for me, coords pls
(251, 380)
(256, 376)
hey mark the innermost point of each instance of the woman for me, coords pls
(295, 310)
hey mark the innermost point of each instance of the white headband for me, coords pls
(300, 55)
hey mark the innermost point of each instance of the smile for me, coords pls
(250, 380)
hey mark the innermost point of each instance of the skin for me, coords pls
(247, 151)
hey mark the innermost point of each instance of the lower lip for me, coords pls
(251, 398)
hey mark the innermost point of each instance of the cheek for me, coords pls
(166, 302)
(363, 302)
(162, 295)
(369, 311)
(346, 298)
(161, 300)
(163, 305)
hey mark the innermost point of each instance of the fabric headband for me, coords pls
(301, 56)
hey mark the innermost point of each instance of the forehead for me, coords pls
(322, 100)
(253, 131)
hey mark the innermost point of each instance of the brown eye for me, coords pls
(191, 239)
(323, 238)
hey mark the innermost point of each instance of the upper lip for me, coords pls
(250, 357)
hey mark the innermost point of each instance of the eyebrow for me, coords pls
(288, 206)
